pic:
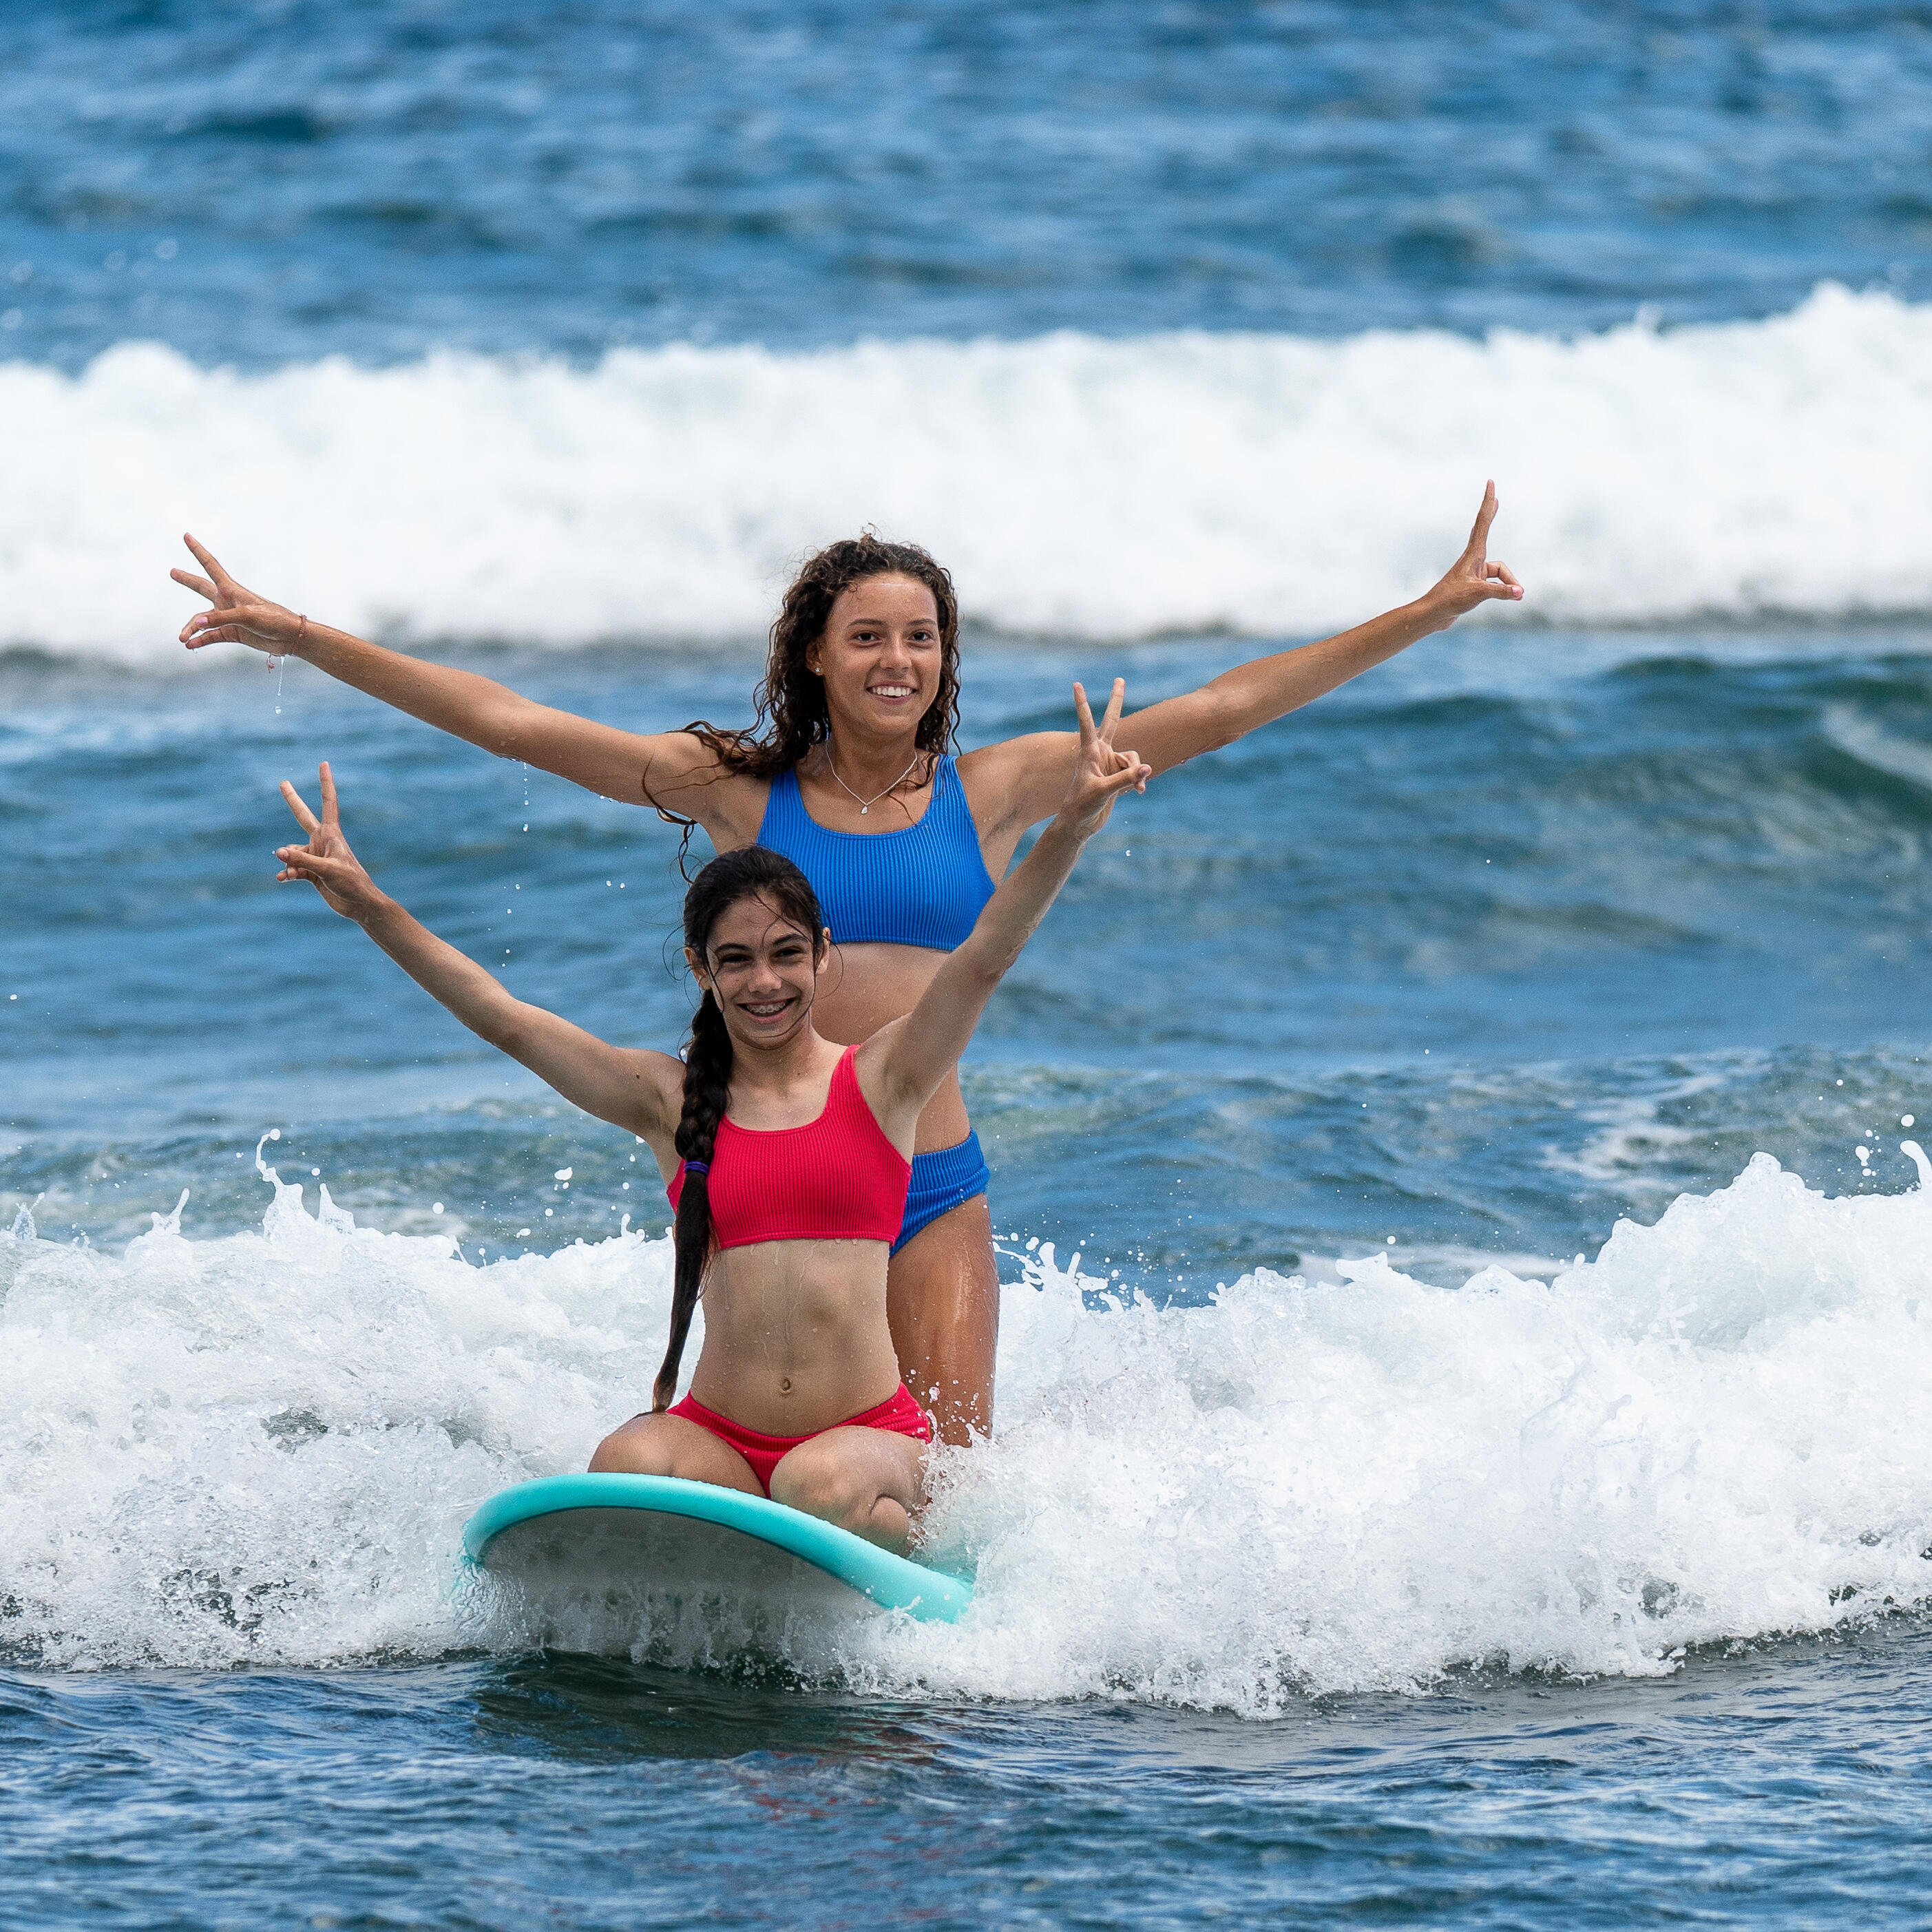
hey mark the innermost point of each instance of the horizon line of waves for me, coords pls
(1268, 484)
(261, 1449)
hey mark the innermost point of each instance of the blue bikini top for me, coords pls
(923, 885)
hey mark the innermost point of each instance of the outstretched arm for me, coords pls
(669, 768)
(632, 1088)
(909, 1057)
(1030, 771)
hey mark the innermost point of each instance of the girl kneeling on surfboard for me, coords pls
(787, 1157)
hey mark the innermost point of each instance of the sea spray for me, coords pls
(1268, 483)
(262, 1448)
(1714, 1432)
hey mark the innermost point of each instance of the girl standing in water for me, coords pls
(787, 1157)
(849, 774)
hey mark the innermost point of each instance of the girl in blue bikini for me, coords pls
(848, 771)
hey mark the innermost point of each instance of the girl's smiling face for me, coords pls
(762, 967)
(880, 657)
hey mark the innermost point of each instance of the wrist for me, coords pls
(1432, 612)
(303, 639)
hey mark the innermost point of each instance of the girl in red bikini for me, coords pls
(787, 1156)
(854, 782)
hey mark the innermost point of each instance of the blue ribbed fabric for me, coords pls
(923, 885)
(941, 1181)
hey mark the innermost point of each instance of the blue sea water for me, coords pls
(379, 180)
(1464, 1398)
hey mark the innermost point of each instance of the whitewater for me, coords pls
(1077, 485)
(260, 1450)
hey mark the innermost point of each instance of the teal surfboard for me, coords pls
(638, 1563)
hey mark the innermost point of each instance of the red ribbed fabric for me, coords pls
(837, 1178)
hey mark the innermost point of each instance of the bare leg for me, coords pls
(868, 1480)
(673, 1445)
(942, 1303)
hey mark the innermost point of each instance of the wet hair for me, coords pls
(752, 871)
(792, 716)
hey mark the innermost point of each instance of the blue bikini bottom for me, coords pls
(941, 1181)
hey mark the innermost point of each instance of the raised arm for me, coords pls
(670, 768)
(632, 1088)
(901, 1065)
(1024, 776)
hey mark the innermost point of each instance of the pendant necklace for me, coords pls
(866, 804)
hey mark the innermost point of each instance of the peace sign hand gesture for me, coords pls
(1475, 577)
(1102, 772)
(326, 861)
(238, 615)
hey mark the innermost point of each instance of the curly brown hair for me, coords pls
(792, 715)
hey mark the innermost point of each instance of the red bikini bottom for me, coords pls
(898, 1414)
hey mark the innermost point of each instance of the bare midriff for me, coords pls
(863, 988)
(795, 1335)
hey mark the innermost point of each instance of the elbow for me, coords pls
(1212, 721)
(507, 1032)
(988, 969)
(1226, 723)
(1215, 741)
(499, 735)
(503, 728)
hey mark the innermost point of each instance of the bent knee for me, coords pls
(635, 1449)
(821, 1488)
(866, 1508)
(828, 1480)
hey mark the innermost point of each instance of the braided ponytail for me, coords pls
(707, 1090)
(752, 871)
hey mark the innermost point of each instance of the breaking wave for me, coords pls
(262, 1449)
(1271, 485)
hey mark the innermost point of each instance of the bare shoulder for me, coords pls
(657, 1080)
(1018, 781)
(683, 775)
(662, 1072)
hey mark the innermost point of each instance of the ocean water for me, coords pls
(1463, 1406)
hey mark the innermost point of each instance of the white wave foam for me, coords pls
(262, 1448)
(1863, 738)
(1269, 483)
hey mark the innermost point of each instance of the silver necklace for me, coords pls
(866, 804)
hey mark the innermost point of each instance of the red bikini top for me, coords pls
(837, 1178)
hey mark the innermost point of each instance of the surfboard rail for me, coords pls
(893, 1582)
